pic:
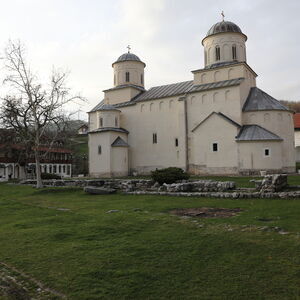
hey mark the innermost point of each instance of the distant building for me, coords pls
(83, 129)
(219, 122)
(17, 163)
(297, 135)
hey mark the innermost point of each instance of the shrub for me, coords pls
(50, 176)
(168, 175)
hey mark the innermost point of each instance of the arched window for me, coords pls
(115, 79)
(161, 105)
(218, 53)
(142, 79)
(234, 52)
(205, 57)
(116, 121)
(127, 78)
(101, 122)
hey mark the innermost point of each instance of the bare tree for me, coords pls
(31, 109)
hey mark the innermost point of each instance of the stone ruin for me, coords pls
(271, 183)
(271, 186)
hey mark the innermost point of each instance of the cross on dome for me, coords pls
(129, 48)
(223, 16)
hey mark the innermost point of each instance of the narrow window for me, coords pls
(59, 169)
(267, 152)
(114, 79)
(234, 52)
(99, 150)
(218, 53)
(116, 121)
(64, 169)
(176, 142)
(101, 122)
(142, 79)
(215, 147)
(54, 169)
(127, 77)
(154, 138)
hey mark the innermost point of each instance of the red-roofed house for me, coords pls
(297, 135)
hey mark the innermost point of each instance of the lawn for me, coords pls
(68, 241)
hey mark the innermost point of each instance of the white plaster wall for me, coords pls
(135, 69)
(109, 118)
(165, 117)
(214, 130)
(119, 161)
(280, 123)
(99, 164)
(252, 156)
(120, 95)
(225, 100)
(225, 73)
(225, 42)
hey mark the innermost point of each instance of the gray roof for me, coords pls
(181, 88)
(215, 85)
(165, 91)
(128, 57)
(119, 142)
(125, 86)
(107, 107)
(104, 129)
(256, 133)
(224, 26)
(97, 106)
(259, 100)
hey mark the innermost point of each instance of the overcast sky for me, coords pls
(86, 36)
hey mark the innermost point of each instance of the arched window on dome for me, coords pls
(127, 77)
(218, 53)
(234, 52)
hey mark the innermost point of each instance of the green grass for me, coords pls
(142, 252)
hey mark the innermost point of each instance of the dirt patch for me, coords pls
(206, 212)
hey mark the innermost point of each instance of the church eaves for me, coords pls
(119, 142)
(259, 100)
(256, 133)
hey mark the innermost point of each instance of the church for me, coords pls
(219, 122)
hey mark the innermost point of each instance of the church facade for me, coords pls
(220, 122)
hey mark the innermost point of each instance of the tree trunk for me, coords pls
(39, 183)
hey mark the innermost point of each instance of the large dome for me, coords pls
(128, 57)
(224, 26)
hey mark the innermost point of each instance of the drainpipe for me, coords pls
(186, 142)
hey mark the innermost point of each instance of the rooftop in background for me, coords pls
(297, 121)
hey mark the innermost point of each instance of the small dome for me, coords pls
(128, 57)
(224, 26)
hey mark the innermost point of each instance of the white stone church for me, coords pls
(217, 123)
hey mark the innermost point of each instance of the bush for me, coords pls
(168, 175)
(50, 176)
